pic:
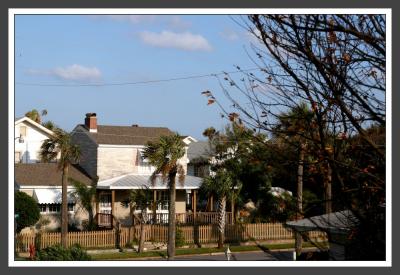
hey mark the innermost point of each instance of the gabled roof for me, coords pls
(34, 123)
(127, 135)
(46, 174)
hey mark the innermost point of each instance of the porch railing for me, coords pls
(105, 220)
(189, 218)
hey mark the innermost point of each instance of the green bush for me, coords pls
(58, 253)
(27, 209)
(179, 238)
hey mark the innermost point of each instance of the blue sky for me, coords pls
(83, 49)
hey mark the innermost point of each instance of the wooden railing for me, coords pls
(197, 234)
(104, 220)
(189, 218)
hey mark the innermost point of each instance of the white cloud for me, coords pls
(183, 41)
(74, 72)
(77, 72)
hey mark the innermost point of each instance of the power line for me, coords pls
(133, 83)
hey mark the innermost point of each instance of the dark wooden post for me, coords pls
(118, 236)
(212, 203)
(154, 206)
(112, 207)
(194, 205)
(97, 207)
(233, 211)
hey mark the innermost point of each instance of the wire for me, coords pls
(133, 83)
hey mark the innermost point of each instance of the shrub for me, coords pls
(58, 253)
(179, 238)
(27, 209)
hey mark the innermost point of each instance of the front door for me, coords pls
(105, 203)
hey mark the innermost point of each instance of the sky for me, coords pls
(75, 50)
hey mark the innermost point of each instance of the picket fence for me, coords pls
(194, 234)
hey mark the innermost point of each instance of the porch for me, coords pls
(112, 204)
(106, 220)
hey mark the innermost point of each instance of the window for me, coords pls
(163, 198)
(17, 156)
(22, 131)
(43, 208)
(54, 208)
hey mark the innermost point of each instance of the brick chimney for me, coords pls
(91, 122)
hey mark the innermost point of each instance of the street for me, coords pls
(239, 256)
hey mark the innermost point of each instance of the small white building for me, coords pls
(29, 136)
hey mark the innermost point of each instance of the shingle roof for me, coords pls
(128, 135)
(337, 222)
(46, 174)
(139, 181)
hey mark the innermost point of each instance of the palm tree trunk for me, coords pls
(141, 238)
(64, 208)
(298, 238)
(143, 221)
(221, 221)
(171, 217)
(328, 189)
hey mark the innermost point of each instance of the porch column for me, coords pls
(154, 206)
(194, 204)
(97, 198)
(112, 206)
(233, 211)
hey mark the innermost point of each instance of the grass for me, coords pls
(193, 251)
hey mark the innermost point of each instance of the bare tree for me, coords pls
(334, 63)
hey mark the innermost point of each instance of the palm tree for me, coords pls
(295, 127)
(60, 145)
(222, 186)
(164, 155)
(140, 199)
(86, 195)
(35, 115)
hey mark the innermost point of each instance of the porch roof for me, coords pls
(337, 222)
(140, 181)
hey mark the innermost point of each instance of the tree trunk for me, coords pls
(64, 208)
(328, 189)
(143, 221)
(298, 238)
(221, 221)
(171, 217)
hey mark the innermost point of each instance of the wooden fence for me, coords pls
(199, 234)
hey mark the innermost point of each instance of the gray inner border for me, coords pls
(186, 4)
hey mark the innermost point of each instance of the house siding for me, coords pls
(77, 217)
(115, 161)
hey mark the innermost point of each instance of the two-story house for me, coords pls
(114, 155)
(29, 136)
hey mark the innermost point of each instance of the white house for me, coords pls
(113, 154)
(29, 136)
